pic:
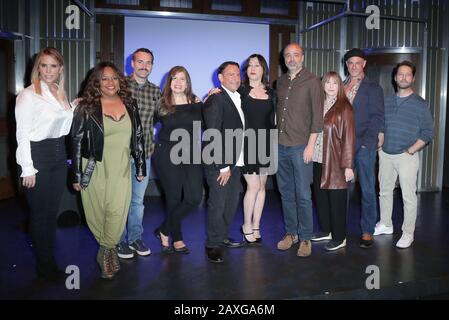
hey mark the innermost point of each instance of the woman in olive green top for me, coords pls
(106, 131)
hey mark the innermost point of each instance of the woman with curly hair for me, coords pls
(106, 131)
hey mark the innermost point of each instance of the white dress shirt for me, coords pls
(235, 97)
(38, 118)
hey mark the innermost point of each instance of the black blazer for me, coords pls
(220, 113)
(88, 141)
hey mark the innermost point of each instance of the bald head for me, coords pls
(294, 46)
(294, 58)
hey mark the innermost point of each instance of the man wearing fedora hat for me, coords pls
(367, 99)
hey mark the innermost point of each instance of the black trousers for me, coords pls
(331, 206)
(49, 158)
(221, 205)
(183, 188)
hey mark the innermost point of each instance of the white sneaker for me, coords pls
(405, 241)
(382, 229)
(321, 236)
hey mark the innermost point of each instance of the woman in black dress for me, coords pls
(258, 104)
(181, 177)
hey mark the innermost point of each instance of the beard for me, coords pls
(293, 66)
(405, 85)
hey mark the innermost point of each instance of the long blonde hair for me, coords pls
(52, 52)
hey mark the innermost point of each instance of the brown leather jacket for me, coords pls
(338, 147)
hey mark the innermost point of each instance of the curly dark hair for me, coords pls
(91, 95)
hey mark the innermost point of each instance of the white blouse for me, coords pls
(38, 118)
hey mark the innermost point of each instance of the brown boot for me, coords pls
(305, 249)
(287, 241)
(104, 259)
(115, 260)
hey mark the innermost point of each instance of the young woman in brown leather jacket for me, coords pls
(106, 132)
(333, 163)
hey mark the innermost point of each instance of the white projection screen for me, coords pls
(200, 46)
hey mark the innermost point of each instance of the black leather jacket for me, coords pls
(88, 140)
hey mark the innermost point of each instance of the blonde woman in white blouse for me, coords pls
(44, 117)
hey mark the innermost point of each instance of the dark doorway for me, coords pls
(280, 36)
(380, 69)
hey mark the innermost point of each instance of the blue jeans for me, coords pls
(365, 161)
(134, 228)
(294, 178)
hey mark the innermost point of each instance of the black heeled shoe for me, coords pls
(258, 240)
(157, 234)
(183, 250)
(246, 234)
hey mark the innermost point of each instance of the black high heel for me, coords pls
(258, 240)
(183, 250)
(246, 234)
(157, 234)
